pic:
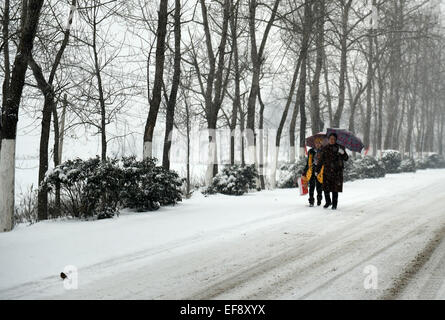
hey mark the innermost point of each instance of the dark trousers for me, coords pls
(315, 184)
(327, 196)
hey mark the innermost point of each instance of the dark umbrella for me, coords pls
(347, 139)
(310, 141)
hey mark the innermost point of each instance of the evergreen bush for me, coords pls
(96, 188)
(289, 174)
(408, 165)
(234, 180)
(146, 186)
(391, 160)
(91, 186)
(368, 167)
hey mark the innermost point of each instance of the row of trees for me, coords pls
(374, 67)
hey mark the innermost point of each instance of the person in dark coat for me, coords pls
(332, 157)
(311, 173)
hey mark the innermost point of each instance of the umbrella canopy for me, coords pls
(347, 139)
(310, 141)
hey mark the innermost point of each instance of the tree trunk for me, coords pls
(174, 91)
(302, 103)
(56, 159)
(242, 127)
(250, 134)
(237, 80)
(155, 101)
(30, 15)
(412, 108)
(315, 86)
(409, 135)
(301, 91)
(381, 85)
(343, 64)
(396, 139)
(62, 127)
(376, 117)
(187, 114)
(42, 208)
(98, 75)
(212, 164)
(395, 76)
(261, 142)
(441, 136)
(370, 75)
(292, 128)
(328, 91)
(6, 62)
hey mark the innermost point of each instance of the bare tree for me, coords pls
(319, 16)
(212, 79)
(345, 6)
(237, 76)
(101, 90)
(155, 99)
(257, 58)
(171, 103)
(29, 22)
(47, 89)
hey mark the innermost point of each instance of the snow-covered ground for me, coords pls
(265, 245)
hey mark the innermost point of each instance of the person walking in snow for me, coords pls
(312, 175)
(332, 159)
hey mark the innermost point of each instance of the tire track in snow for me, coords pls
(320, 259)
(363, 261)
(332, 243)
(325, 249)
(415, 266)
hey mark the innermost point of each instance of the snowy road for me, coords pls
(267, 245)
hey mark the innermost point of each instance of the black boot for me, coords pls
(334, 200)
(328, 200)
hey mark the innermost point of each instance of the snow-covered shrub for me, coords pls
(93, 188)
(350, 172)
(103, 189)
(435, 161)
(408, 165)
(422, 163)
(234, 180)
(90, 187)
(146, 186)
(368, 167)
(392, 160)
(289, 174)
